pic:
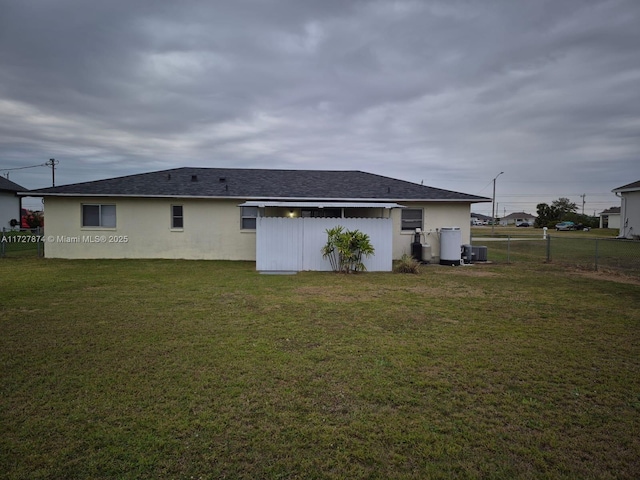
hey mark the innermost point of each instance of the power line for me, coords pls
(7, 170)
(51, 163)
(21, 168)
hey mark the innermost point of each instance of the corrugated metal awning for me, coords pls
(292, 204)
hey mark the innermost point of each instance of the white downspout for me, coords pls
(624, 222)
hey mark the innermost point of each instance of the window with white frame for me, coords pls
(177, 218)
(99, 215)
(248, 218)
(411, 219)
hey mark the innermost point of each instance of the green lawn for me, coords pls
(499, 230)
(20, 244)
(190, 369)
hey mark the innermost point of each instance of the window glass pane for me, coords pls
(411, 218)
(249, 211)
(249, 223)
(90, 215)
(176, 216)
(108, 213)
(412, 214)
(248, 220)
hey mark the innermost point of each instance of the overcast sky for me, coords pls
(446, 92)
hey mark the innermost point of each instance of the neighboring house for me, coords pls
(479, 219)
(9, 202)
(276, 217)
(610, 218)
(517, 218)
(629, 209)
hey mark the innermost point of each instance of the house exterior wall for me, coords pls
(630, 215)
(9, 209)
(435, 215)
(211, 229)
(516, 220)
(610, 220)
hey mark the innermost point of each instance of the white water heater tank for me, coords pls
(450, 245)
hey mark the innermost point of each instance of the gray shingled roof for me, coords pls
(611, 210)
(630, 186)
(9, 186)
(516, 215)
(259, 184)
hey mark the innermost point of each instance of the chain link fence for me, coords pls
(588, 253)
(21, 243)
(597, 253)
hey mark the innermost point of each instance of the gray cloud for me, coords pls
(449, 92)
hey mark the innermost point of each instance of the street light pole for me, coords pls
(493, 205)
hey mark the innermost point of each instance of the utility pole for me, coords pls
(583, 195)
(52, 163)
(493, 205)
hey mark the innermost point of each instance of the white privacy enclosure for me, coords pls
(295, 244)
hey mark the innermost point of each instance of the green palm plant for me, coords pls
(346, 248)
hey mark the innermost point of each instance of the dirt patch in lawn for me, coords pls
(609, 275)
(335, 294)
(471, 271)
(338, 295)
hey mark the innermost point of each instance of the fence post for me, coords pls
(548, 248)
(508, 248)
(596, 265)
(39, 233)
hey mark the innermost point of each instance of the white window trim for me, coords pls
(172, 217)
(242, 217)
(411, 232)
(97, 227)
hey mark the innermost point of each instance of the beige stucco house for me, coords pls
(629, 209)
(218, 213)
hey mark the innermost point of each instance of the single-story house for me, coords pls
(277, 218)
(479, 219)
(629, 209)
(610, 218)
(9, 202)
(517, 218)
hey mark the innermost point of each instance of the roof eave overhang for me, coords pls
(626, 190)
(248, 198)
(319, 204)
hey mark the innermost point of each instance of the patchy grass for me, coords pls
(185, 369)
(484, 231)
(575, 249)
(20, 243)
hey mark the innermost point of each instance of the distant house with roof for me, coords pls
(9, 202)
(479, 219)
(629, 209)
(246, 214)
(610, 218)
(517, 218)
